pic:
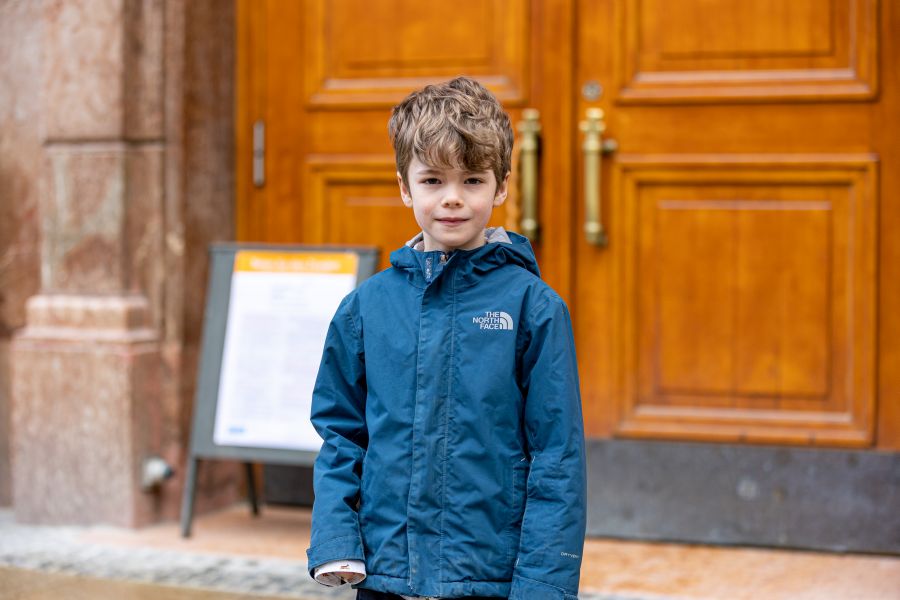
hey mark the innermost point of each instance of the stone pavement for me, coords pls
(224, 561)
(93, 553)
(236, 557)
(19, 584)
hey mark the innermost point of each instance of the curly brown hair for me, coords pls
(455, 124)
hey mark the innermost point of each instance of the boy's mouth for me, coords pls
(452, 220)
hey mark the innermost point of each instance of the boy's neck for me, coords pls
(430, 245)
(491, 234)
(438, 247)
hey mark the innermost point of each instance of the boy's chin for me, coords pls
(450, 243)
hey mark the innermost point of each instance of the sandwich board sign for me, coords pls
(267, 313)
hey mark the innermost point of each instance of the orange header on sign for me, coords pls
(296, 262)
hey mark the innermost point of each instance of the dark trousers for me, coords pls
(362, 594)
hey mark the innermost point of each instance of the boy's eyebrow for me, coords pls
(433, 171)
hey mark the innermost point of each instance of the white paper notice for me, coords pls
(281, 305)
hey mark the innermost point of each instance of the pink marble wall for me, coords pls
(82, 378)
(199, 201)
(21, 35)
(106, 67)
(84, 69)
(135, 179)
(208, 144)
(103, 89)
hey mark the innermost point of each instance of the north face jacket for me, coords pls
(453, 461)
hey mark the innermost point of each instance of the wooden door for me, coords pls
(737, 298)
(323, 77)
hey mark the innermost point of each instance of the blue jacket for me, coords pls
(453, 460)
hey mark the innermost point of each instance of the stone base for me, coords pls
(5, 461)
(85, 410)
(744, 495)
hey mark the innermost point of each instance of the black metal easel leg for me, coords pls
(187, 498)
(251, 489)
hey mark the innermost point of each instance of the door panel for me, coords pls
(398, 46)
(354, 200)
(749, 297)
(706, 50)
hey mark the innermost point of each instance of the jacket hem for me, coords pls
(448, 589)
(525, 588)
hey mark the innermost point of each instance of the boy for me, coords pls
(453, 462)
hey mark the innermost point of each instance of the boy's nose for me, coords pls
(451, 200)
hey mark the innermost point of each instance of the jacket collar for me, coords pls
(501, 248)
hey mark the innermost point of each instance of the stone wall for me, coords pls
(20, 170)
(207, 204)
(127, 108)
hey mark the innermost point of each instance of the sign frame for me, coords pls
(215, 323)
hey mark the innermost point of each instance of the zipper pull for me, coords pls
(443, 257)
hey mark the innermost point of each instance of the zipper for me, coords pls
(429, 264)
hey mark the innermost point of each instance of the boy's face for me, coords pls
(452, 206)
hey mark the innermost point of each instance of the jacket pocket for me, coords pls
(518, 490)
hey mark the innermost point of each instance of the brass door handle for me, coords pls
(593, 148)
(530, 128)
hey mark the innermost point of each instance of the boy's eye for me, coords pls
(474, 180)
(431, 181)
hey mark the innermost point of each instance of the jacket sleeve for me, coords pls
(548, 565)
(338, 415)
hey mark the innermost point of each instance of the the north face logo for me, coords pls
(494, 320)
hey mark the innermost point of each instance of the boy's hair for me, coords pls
(455, 124)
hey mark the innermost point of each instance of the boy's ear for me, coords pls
(404, 191)
(502, 190)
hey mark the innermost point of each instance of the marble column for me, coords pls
(86, 368)
(20, 159)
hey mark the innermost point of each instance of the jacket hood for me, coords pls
(501, 248)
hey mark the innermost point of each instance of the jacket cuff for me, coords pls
(347, 547)
(326, 574)
(524, 588)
